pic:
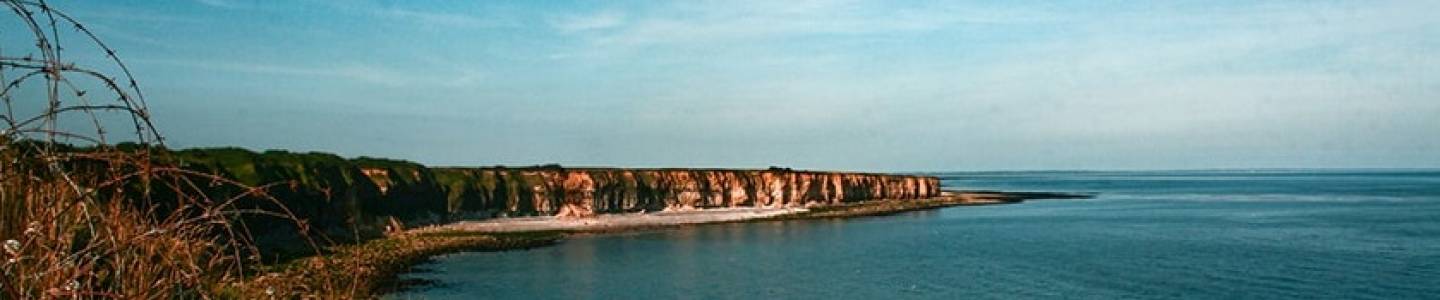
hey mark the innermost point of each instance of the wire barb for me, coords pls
(90, 219)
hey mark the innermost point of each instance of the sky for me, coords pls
(842, 85)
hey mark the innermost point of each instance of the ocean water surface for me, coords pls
(1352, 234)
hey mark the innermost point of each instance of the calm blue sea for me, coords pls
(1354, 234)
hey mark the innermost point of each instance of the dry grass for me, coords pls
(63, 242)
(98, 221)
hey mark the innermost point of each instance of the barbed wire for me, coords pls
(74, 219)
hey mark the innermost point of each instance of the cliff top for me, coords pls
(593, 168)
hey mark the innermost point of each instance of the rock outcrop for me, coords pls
(355, 199)
(589, 191)
(335, 194)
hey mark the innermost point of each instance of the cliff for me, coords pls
(358, 197)
(583, 192)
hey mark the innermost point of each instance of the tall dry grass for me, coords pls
(98, 221)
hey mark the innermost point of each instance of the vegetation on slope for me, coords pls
(367, 269)
(100, 221)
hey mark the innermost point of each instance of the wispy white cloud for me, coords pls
(435, 18)
(462, 18)
(132, 15)
(1216, 77)
(227, 4)
(725, 21)
(1185, 45)
(600, 20)
(111, 32)
(357, 72)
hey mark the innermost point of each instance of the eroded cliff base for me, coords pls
(671, 218)
(584, 192)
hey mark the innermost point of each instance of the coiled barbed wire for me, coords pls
(97, 221)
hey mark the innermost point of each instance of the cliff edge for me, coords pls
(589, 191)
(366, 196)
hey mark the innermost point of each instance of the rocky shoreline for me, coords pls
(371, 268)
(624, 221)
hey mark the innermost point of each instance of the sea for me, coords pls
(1215, 234)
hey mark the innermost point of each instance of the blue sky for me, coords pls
(863, 85)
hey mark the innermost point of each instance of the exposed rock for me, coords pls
(585, 192)
(358, 197)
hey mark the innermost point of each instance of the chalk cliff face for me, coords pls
(583, 192)
(360, 197)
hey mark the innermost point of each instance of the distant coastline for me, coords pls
(373, 266)
(360, 208)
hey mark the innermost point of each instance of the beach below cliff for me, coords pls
(682, 217)
(368, 269)
(607, 222)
